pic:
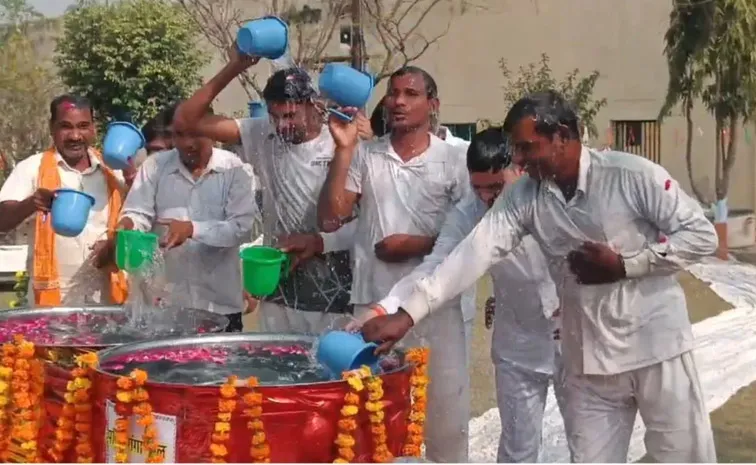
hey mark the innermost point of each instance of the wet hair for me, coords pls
(551, 111)
(431, 89)
(289, 85)
(159, 126)
(77, 101)
(379, 119)
(489, 151)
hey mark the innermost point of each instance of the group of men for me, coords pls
(389, 234)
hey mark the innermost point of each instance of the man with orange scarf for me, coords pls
(55, 263)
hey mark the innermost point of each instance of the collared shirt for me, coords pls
(399, 197)
(624, 201)
(78, 284)
(203, 272)
(291, 176)
(525, 294)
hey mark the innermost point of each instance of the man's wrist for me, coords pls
(402, 313)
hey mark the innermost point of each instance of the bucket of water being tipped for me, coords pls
(258, 110)
(345, 86)
(122, 141)
(341, 351)
(262, 269)
(266, 37)
(135, 249)
(70, 211)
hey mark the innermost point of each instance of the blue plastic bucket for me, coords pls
(258, 110)
(70, 211)
(345, 86)
(266, 37)
(341, 351)
(122, 141)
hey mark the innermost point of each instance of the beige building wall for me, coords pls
(623, 39)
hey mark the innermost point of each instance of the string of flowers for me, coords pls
(146, 417)
(418, 357)
(82, 404)
(124, 398)
(65, 425)
(36, 394)
(222, 431)
(259, 450)
(348, 423)
(374, 406)
(6, 375)
(20, 289)
(24, 428)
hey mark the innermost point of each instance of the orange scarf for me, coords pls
(45, 261)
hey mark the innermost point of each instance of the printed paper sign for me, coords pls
(166, 437)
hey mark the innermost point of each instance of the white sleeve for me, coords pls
(253, 134)
(498, 233)
(457, 225)
(139, 205)
(688, 234)
(20, 183)
(341, 239)
(356, 169)
(240, 214)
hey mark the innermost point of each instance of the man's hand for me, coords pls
(178, 232)
(595, 263)
(238, 60)
(345, 133)
(103, 252)
(387, 330)
(398, 248)
(250, 303)
(301, 246)
(43, 199)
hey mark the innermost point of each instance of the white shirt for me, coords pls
(72, 252)
(455, 141)
(203, 272)
(291, 176)
(622, 200)
(525, 294)
(399, 198)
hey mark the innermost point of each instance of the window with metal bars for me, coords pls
(638, 137)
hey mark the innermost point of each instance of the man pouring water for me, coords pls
(616, 229)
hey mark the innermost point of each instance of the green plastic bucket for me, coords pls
(262, 269)
(135, 249)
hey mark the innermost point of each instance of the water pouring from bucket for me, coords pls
(122, 142)
(263, 269)
(258, 109)
(135, 250)
(266, 37)
(346, 87)
(70, 211)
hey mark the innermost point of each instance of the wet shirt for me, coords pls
(399, 198)
(291, 176)
(204, 272)
(622, 200)
(72, 252)
(525, 294)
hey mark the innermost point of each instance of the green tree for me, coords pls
(710, 55)
(538, 76)
(27, 84)
(131, 58)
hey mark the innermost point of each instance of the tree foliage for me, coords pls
(710, 56)
(538, 76)
(27, 85)
(131, 58)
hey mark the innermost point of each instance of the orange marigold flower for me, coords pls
(258, 438)
(228, 391)
(260, 452)
(88, 359)
(253, 398)
(255, 425)
(125, 383)
(224, 416)
(252, 382)
(226, 405)
(347, 424)
(253, 412)
(346, 453)
(352, 398)
(139, 377)
(220, 437)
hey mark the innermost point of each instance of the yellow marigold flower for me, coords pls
(258, 438)
(222, 427)
(349, 410)
(6, 372)
(124, 396)
(378, 417)
(373, 406)
(87, 360)
(139, 376)
(356, 383)
(344, 440)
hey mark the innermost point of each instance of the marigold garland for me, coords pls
(146, 418)
(418, 357)
(374, 405)
(259, 450)
(348, 423)
(124, 398)
(6, 374)
(23, 401)
(222, 431)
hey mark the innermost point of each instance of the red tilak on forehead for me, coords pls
(68, 106)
